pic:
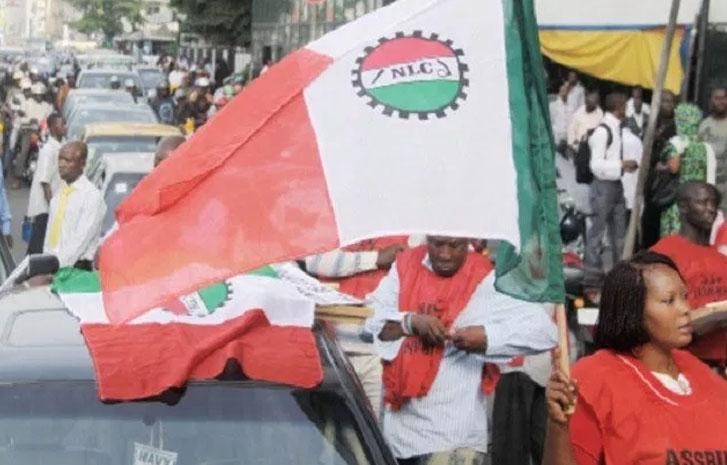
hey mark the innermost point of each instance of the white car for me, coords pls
(116, 175)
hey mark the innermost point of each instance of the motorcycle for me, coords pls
(31, 131)
(573, 235)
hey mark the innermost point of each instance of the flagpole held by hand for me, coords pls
(563, 362)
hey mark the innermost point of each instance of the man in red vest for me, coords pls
(356, 270)
(438, 323)
(704, 269)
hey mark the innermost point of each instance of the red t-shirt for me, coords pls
(627, 416)
(705, 271)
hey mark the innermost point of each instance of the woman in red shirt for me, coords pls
(639, 399)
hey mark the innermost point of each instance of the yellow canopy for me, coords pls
(629, 57)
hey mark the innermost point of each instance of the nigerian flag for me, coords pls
(422, 117)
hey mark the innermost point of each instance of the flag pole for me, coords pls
(633, 229)
(563, 346)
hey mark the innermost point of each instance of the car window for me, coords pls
(120, 185)
(103, 81)
(120, 96)
(120, 144)
(150, 78)
(215, 423)
(84, 117)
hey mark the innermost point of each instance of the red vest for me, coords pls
(362, 284)
(412, 372)
(705, 271)
(642, 422)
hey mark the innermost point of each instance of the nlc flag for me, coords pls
(259, 320)
(426, 116)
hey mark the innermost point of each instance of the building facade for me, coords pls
(281, 26)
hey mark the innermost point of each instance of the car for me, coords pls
(151, 76)
(106, 138)
(116, 175)
(101, 78)
(93, 113)
(80, 96)
(50, 412)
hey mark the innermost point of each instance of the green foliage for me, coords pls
(223, 22)
(106, 15)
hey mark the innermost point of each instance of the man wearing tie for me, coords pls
(76, 211)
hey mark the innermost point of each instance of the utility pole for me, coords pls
(633, 229)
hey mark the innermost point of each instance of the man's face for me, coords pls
(447, 254)
(667, 104)
(59, 128)
(592, 101)
(38, 98)
(638, 100)
(572, 78)
(719, 102)
(701, 208)
(70, 164)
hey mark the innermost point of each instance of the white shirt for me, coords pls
(640, 118)
(633, 150)
(583, 122)
(46, 172)
(454, 413)
(38, 111)
(81, 223)
(175, 78)
(606, 159)
(576, 99)
(559, 119)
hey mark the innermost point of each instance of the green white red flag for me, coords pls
(426, 116)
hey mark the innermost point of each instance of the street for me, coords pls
(18, 204)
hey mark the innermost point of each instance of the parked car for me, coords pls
(151, 76)
(107, 112)
(104, 138)
(80, 96)
(116, 175)
(101, 78)
(50, 412)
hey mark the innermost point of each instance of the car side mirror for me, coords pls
(39, 264)
(31, 266)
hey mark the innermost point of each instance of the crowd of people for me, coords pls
(458, 372)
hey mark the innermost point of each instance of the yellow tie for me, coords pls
(55, 227)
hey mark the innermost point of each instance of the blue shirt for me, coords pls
(454, 413)
(6, 216)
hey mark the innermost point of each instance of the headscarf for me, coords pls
(687, 117)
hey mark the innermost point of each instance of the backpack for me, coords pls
(582, 160)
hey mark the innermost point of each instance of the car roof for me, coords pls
(110, 71)
(130, 162)
(130, 129)
(96, 91)
(41, 340)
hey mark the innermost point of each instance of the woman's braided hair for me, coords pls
(620, 324)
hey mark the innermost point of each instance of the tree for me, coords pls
(106, 16)
(223, 22)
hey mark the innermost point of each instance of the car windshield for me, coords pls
(120, 185)
(216, 423)
(150, 78)
(119, 144)
(103, 81)
(120, 96)
(111, 115)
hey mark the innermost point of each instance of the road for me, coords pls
(18, 204)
